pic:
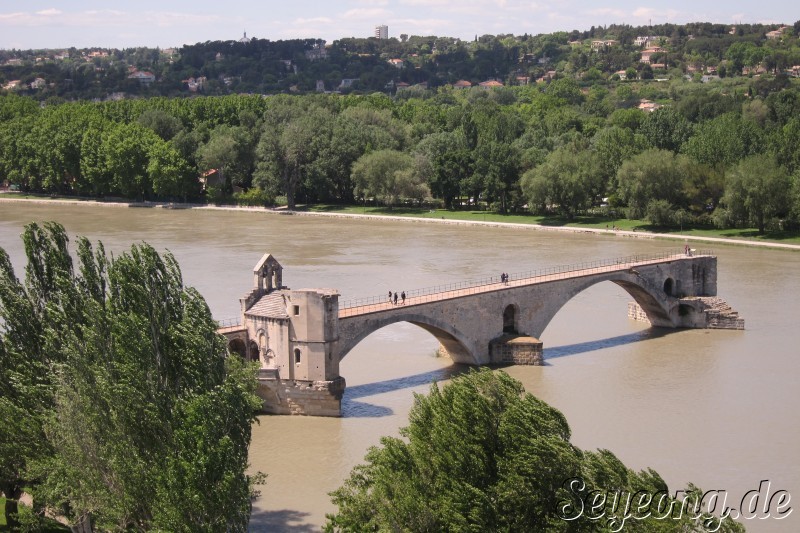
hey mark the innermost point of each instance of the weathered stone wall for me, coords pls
(635, 312)
(705, 312)
(516, 350)
(465, 325)
(313, 398)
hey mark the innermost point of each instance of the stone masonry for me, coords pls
(300, 336)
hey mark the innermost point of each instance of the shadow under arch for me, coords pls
(602, 344)
(653, 302)
(353, 405)
(458, 346)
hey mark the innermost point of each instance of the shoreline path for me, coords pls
(431, 220)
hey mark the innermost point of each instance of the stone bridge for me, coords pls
(299, 336)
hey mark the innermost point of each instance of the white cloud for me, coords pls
(49, 12)
(608, 11)
(11, 16)
(315, 20)
(366, 14)
(660, 15)
(428, 3)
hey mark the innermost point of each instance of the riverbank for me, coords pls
(431, 217)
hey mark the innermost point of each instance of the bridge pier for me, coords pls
(300, 336)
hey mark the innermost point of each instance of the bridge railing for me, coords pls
(230, 322)
(476, 285)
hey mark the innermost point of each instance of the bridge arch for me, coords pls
(238, 346)
(458, 346)
(654, 301)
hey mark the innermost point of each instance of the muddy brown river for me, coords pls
(718, 408)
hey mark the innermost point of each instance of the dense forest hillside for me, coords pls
(676, 147)
(251, 65)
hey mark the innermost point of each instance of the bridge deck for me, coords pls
(374, 305)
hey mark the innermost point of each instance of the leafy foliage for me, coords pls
(480, 454)
(473, 147)
(126, 412)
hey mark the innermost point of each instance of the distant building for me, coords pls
(490, 84)
(602, 45)
(462, 84)
(382, 31)
(195, 84)
(648, 106)
(548, 76)
(647, 41)
(317, 52)
(38, 83)
(777, 33)
(397, 63)
(210, 178)
(144, 77)
(320, 86)
(647, 54)
(245, 39)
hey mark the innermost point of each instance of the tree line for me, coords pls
(263, 66)
(558, 149)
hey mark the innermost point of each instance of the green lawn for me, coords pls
(596, 222)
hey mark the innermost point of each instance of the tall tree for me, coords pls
(388, 174)
(650, 175)
(724, 140)
(126, 149)
(756, 189)
(141, 420)
(480, 454)
(231, 150)
(289, 150)
(566, 181)
(665, 129)
(449, 163)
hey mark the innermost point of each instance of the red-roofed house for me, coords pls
(647, 54)
(144, 77)
(490, 84)
(648, 106)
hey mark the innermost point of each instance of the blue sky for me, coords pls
(29, 24)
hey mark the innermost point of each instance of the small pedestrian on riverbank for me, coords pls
(395, 298)
(403, 297)
(390, 296)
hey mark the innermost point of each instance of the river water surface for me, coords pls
(716, 408)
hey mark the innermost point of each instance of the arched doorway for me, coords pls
(510, 319)
(668, 286)
(237, 346)
(253, 351)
